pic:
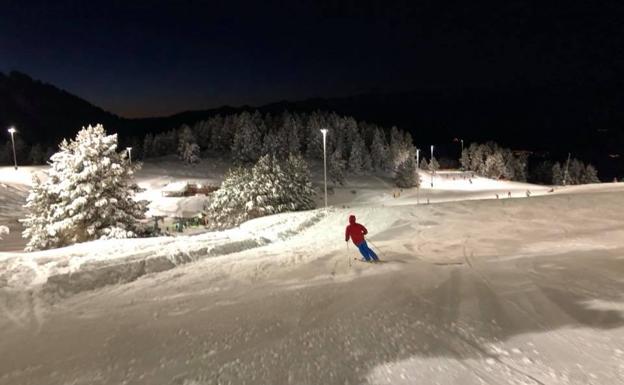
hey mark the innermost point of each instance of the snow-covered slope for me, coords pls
(509, 291)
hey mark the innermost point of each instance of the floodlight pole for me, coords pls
(12, 131)
(129, 149)
(324, 132)
(418, 176)
(430, 166)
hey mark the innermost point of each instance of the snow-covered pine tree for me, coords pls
(379, 151)
(38, 218)
(510, 161)
(477, 160)
(494, 166)
(465, 159)
(423, 164)
(3, 231)
(247, 141)
(270, 187)
(222, 132)
(228, 204)
(575, 172)
(190, 155)
(271, 144)
(521, 167)
(336, 168)
(396, 146)
(406, 175)
(185, 136)
(314, 144)
(292, 127)
(300, 189)
(557, 174)
(203, 133)
(88, 194)
(148, 146)
(590, 175)
(358, 155)
(434, 165)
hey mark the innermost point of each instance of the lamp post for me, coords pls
(430, 166)
(324, 131)
(12, 131)
(418, 175)
(129, 149)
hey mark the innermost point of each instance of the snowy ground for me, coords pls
(474, 291)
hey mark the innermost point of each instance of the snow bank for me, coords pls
(95, 264)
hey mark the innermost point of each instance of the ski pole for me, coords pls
(378, 249)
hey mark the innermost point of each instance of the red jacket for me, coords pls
(356, 231)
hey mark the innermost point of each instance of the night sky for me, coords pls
(148, 58)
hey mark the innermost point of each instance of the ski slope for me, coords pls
(475, 291)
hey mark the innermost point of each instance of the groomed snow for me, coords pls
(474, 290)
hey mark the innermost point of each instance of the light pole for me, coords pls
(418, 175)
(129, 149)
(430, 166)
(12, 131)
(461, 154)
(324, 131)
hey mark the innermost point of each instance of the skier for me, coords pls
(356, 232)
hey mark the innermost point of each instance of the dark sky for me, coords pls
(149, 58)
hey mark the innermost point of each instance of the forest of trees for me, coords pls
(570, 172)
(353, 147)
(493, 161)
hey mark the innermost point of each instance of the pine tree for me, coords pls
(423, 164)
(494, 166)
(557, 174)
(292, 126)
(246, 144)
(434, 165)
(3, 231)
(190, 155)
(222, 132)
(358, 155)
(88, 194)
(270, 187)
(396, 144)
(590, 175)
(148, 146)
(406, 175)
(336, 169)
(575, 172)
(314, 144)
(271, 144)
(465, 159)
(379, 151)
(228, 206)
(37, 156)
(203, 133)
(300, 189)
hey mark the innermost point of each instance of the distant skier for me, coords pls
(356, 232)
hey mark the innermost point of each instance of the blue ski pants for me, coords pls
(366, 251)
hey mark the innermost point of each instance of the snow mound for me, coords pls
(99, 263)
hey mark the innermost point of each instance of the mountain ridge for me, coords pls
(583, 119)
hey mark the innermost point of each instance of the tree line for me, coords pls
(351, 146)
